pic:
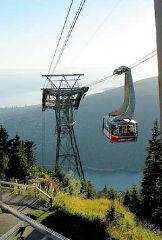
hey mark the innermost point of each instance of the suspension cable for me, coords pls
(100, 80)
(54, 55)
(69, 33)
(144, 59)
(97, 29)
(137, 63)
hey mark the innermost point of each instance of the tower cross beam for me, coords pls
(64, 97)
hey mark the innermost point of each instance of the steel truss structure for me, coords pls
(64, 96)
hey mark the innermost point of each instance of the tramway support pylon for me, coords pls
(64, 96)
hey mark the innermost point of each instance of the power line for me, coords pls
(60, 36)
(69, 33)
(137, 63)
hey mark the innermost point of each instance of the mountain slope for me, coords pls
(90, 219)
(95, 150)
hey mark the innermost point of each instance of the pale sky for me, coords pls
(109, 33)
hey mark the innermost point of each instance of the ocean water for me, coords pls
(25, 85)
(121, 180)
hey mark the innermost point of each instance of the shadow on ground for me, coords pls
(76, 227)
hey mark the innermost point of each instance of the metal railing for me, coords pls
(48, 233)
(26, 189)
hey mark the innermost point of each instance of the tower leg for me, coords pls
(64, 96)
(67, 153)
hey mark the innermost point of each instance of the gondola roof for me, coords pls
(112, 121)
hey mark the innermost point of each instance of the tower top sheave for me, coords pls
(62, 89)
(63, 95)
(63, 80)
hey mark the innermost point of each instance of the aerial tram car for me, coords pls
(119, 126)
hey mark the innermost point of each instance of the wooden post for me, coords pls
(158, 20)
(15, 187)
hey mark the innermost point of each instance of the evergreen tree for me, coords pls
(112, 193)
(4, 160)
(151, 186)
(4, 143)
(59, 175)
(73, 185)
(104, 192)
(4, 150)
(88, 189)
(29, 151)
(17, 158)
(157, 214)
(127, 198)
(111, 215)
(18, 164)
(134, 204)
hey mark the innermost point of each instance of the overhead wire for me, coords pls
(62, 30)
(69, 34)
(98, 28)
(147, 55)
(144, 59)
(137, 63)
(100, 80)
(58, 59)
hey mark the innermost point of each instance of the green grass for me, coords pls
(94, 212)
(91, 209)
(88, 217)
(37, 213)
(40, 215)
(44, 216)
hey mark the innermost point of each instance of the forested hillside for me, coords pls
(95, 150)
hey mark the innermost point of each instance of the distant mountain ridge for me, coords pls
(95, 150)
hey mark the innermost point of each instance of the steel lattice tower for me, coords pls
(64, 96)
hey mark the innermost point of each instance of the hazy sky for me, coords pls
(109, 33)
